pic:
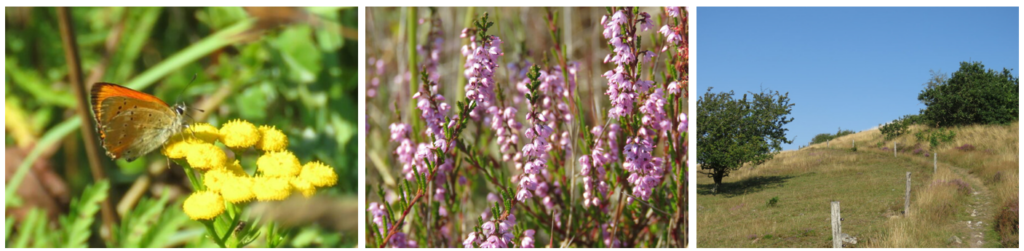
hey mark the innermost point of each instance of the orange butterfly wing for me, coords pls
(104, 91)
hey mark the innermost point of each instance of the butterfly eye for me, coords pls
(180, 109)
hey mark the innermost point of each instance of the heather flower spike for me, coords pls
(536, 148)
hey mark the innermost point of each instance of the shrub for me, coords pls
(935, 137)
(897, 127)
(965, 148)
(773, 201)
(972, 95)
(1008, 224)
(824, 137)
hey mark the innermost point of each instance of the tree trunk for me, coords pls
(718, 180)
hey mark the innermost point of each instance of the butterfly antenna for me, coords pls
(182, 93)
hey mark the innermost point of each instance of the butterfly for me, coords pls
(132, 123)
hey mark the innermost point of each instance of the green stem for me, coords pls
(233, 212)
(196, 184)
(213, 232)
(410, 39)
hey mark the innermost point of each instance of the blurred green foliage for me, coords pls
(293, 68)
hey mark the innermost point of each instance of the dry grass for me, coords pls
(805, 180)
(991, 155)
(931, 222)
(869, 186)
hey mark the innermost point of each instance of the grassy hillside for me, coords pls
(870, 185)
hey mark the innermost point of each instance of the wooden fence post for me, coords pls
(935, 164)
(906, 203)
(837, 226)
(855, 143)
(893, 149)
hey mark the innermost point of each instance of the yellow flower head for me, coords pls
(272, 140)
(206, 156)
(269, 188)
(203, 131)
(203, 205)
(318, 174)
(280, 164)
(238, 189)
(179, 146)
(302, 186)
(236, 169)
(239, 134)
(216, 178)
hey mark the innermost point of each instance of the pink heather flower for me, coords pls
(645, 170)
(645, 21)
(622, 90)
(378, 212)
(439, 194)
(488, 228)
(535, 151)
(494, 232)
(470, 240)
(405, 153)
(492, 241)
(673, 88)
(528, 182)
(378, 66)
(553, 107)
(573, 72)
(592, 166)
(673, 11)
(433, 111)
(399, 240)
(609, 240)
(670, 35)
(504, 123)
(481, 62)
(612, 26)
(682, 123)
(653, 111)
(523, 195)
(528, 238)
(646, 57)
(399, 131)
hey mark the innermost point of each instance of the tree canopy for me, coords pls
(972, 95)
(823, 137)
(732, 132)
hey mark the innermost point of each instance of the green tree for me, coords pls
(972, 95)
(823, 137)
(732, 132)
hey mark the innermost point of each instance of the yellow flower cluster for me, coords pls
(278, 172)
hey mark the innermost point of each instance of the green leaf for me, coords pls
(299, 53)
(149, 224)
(9, 226)
(32, 221)
(138, 32)
(78, 222)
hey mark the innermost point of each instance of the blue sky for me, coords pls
(853, 68)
